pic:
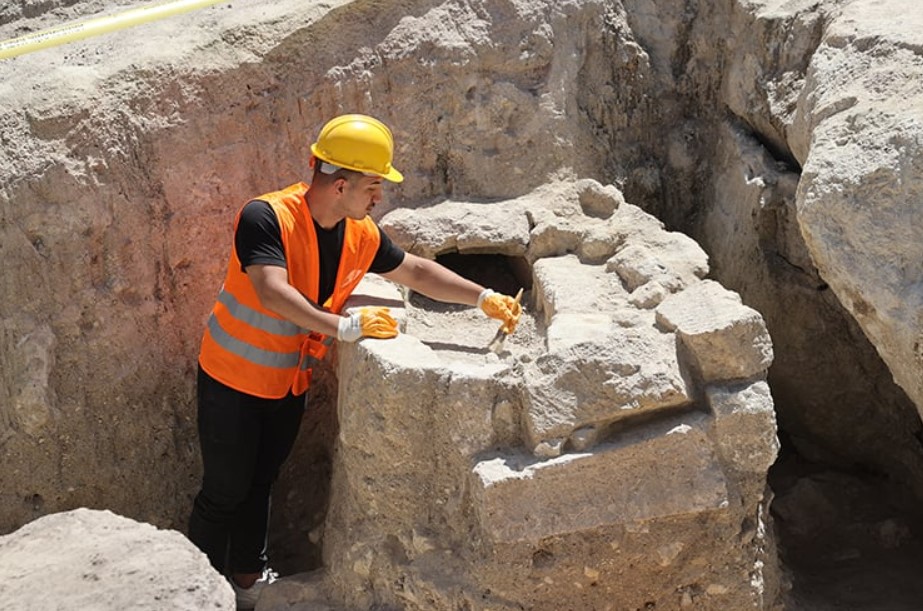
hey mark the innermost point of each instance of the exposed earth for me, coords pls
(785, 137)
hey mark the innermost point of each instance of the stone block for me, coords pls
(565, 285)
(745, 425)
(620, 371)
(665, 469)
(459, 226)
(724, 339)
(597, 200)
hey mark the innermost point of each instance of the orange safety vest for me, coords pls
(255, 351)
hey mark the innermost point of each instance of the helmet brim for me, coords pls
(393, 174)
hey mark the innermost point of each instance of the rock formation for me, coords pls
(87, 559)
(800, 144)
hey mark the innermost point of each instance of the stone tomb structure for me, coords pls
(612, 455)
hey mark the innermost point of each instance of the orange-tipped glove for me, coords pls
(502, 307)
(367, 322)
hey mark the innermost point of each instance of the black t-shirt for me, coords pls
(258, 241)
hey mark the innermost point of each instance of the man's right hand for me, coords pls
(367, 322)
(501, 307)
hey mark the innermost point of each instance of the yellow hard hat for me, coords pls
(360, 143)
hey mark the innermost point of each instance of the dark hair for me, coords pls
(323, 178)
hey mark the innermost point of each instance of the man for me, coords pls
(298, 254)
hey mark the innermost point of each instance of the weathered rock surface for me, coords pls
(89, 559)
(836, 400)
(647, 474)
(858, 200)
(724, 339)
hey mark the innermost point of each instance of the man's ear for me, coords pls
(339, 185)
(312, 161)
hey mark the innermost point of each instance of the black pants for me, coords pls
(244, 441)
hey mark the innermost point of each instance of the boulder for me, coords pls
(861, 147)
(92, 559)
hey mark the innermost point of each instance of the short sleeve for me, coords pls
(388, 257)
(258, 239)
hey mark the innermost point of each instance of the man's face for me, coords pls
(360, 195)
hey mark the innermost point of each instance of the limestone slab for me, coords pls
(565, 285)
(745, 425)
(466, 227)
(663, 470)
(616, 373)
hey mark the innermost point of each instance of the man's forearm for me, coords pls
(278, 296)
(435, 281)
(291, 305)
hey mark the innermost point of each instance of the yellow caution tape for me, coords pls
(71, 32)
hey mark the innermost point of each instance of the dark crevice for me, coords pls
(502, 273)
(782, 155)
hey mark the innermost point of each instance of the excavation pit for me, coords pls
(129, 155)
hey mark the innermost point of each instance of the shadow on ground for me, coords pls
(847, 541)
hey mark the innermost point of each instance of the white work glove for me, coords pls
(367, 322)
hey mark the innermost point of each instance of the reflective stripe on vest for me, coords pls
(312, 361)
(257, 319)
(266, 358)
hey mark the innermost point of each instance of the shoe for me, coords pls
(247, 597)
